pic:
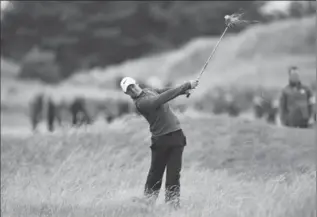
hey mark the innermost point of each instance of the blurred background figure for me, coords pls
(43, 107)
(265, 108)
(296, 102)
(79, 112)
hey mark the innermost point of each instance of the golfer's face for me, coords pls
(133, 90)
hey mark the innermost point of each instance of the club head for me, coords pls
(236, 20)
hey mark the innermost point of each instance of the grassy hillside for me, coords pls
(259, 55)
(9, 69)
(231, 168)
(257, 58)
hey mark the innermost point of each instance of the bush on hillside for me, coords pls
(40, 64)
(9, 68)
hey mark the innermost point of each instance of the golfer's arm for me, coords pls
(162, 90)
(156, 101)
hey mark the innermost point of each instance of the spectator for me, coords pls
(296, 102)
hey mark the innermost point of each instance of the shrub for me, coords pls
(39, 64)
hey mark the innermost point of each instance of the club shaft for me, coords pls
(209, 58)
(212, 54)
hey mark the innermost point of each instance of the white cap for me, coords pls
(125, 82)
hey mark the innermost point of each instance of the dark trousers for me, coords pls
(167, 152)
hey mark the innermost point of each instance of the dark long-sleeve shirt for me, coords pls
(153, 106)
(295, 104)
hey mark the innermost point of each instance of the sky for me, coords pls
(274, 6)
(4, 4)
(271, 5)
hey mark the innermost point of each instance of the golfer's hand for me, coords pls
(193, 84)
(230, 24)
(187, 92)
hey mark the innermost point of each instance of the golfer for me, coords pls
(168, 139)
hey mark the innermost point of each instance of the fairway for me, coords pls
(232, 167)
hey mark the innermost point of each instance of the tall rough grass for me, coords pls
(231, 168)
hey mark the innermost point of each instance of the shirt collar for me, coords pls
(141, 94)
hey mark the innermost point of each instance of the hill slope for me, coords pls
(231, 168)
(258, 55)
(8, 69)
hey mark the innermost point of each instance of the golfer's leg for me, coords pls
(154, 179)
(173, 171)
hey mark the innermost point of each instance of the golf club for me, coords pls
(230, 21)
